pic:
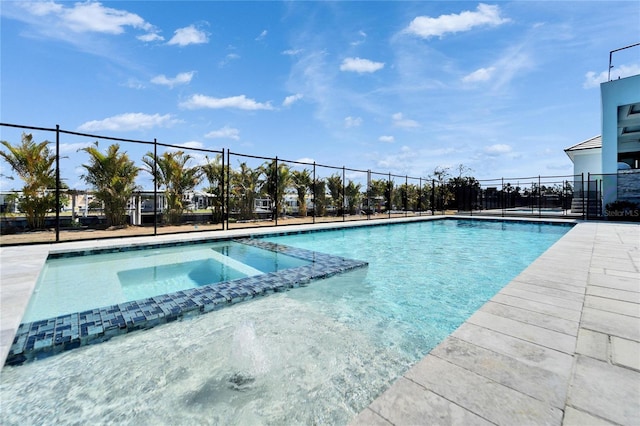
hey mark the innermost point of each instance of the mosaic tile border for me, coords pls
(40, 339)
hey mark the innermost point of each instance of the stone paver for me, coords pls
(573, 417)
(593, 344)
(489, 399)
(536, 382)
(625, 353)
(532, 317)
(408, 394)
(606, 391)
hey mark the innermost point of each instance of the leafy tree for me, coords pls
(406, 196)
(334, 183)
(467, 192)
(377, 190)
(176, 176)
(244, 187)
(301, 181)
(34, 164)
(442, 192)
(353, 195)
(319, 189)
(112, 175)
(425, 197)
(277, 179)
(388, 194)
(215, 174)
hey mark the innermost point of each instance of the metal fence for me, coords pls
(218, 189)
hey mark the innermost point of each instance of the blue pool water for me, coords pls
(316, 354)
(426, 278)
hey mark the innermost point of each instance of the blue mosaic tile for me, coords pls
(51, 336)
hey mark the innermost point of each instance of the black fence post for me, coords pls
(228, 209)
(406, 195)
(277, 200)
(343, 195)
(502, 197)
(313, 187)
(57, 183)
(369, 209)
(588, 195)
(420, 196)
(433, 197)
(539, 197)
(155, 187)
(389, 197)
(223, 191)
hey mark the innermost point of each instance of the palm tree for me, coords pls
(34, 164)
(353, 195)
(276, 182)
(319, 190)
(113, 177)
(172, 172)
(377, 190)
(214, 172)
(301, 181)
(244, 186)
(334, 183)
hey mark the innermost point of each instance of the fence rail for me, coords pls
(193, 189)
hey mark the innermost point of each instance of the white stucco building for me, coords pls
(610, 163)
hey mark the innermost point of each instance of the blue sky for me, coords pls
(402, 87)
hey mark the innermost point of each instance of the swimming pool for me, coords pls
(316, 354)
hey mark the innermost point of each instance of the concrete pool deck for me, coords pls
(560, 344)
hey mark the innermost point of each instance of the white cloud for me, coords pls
(181, 78)
(387, 139)
(93, 17)
(191, 144)
(482, 74)
(511, 64)
(129, 121)
(352, 122)
(426, 26)
(400, 121)
(398, 161)
(497, 149)
(306, 160)
(239, 102)
(63, 23)
(290, 100)
(88, 17)
(292, 52)
(262, 35)
(360, 65)
(363, 37)
(150, 37)
(225, 132)
(133, 83)
(42, 8)
(68, 148)
(593, 80)
(188, 35)
(230, 57)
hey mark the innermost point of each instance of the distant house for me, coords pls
(607, 167)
